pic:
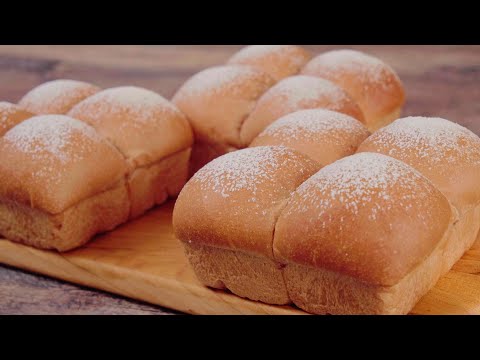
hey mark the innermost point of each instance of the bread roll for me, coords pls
(447, 154)
(226, 214)
(323, 135)
(373, 84)
(279, 61)
(60, 183)
(151, 133)
(56, 97)
(11, 115)
(365, 235)
(293, 94)
(217, 102)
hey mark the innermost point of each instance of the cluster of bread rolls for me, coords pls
(317, 211)
(78, 160)
(228, 106)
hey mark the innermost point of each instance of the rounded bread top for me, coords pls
(446, 153)
(52, 162)
(279, 61)
(368, 216)
(57, 96)
(323, 135)
(233, 202)
(143, 125)
(373, 84)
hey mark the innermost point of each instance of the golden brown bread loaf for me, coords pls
(228, 106)
(370, 82)
(323, 135)
(60, 183)
(57, 96)
(11, 115)
(75, 180)
(226, 215)
(152, 134)
(279, 61)
(367, 234)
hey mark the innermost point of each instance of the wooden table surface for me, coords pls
(441, 81)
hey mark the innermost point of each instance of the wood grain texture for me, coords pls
(143, 260)
(440, 81)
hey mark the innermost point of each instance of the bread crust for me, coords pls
(57, 96)
(227, 212)
(52, 162)
(323, 135)
(217, 101)
(249, 276)
(279, 61)
(143, 125)
(293, 94)
(444, 152)
(321, 291)
(69, 229)
(373, 84)
(368, 216)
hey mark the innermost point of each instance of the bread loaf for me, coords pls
(226, 214)
(57, 96)
(60, 183)
(66, 178)
(323, 135)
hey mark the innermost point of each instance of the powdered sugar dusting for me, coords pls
(6, 110)
(434, 139)
(137, 104)
(309, 123)
(300, 90)
(224, 79)
(47, 139)
(57, 92)
(362, 180)
(246, 170)
(365, 67)
(295, 56)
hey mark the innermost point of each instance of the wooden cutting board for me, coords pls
(143, 260)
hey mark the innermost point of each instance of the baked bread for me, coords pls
(293, 94)
(323, 135)
(151, 133)
(217, 101)
(60, 183)
(228, 106)
(279, 61)
(373, 84)
(447, 154)
(226, 214)
(11, 115)
(57, 96)
(365, 235)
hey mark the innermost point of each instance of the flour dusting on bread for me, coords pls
(49, 136)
